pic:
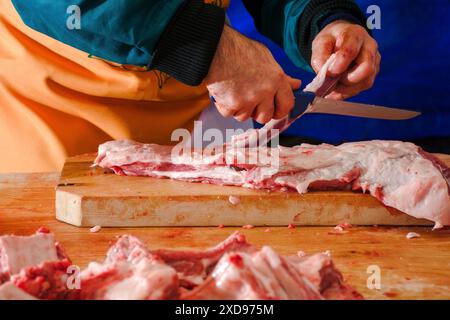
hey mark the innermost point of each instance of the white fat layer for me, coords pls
(412, 235)
(144, 279)
(17, 252)
(268, 273)
(8, 291)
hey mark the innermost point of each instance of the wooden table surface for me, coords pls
(410, 269)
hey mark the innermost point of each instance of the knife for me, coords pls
(309, 102)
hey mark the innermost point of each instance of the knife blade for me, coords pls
(307, 102)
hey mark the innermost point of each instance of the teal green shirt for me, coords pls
(127, 32)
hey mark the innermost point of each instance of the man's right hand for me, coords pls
(246, 81)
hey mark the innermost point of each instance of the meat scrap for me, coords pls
(234, 200)
(231, 270)
(343, 226)
(412, 235)
(95, 229)
(399, 174)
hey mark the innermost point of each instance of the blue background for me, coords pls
(414, 42)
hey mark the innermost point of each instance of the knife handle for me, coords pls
(302, 100)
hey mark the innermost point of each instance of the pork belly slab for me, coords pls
(233, 269)
(399, 174)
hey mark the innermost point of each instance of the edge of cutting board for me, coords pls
(87, 196)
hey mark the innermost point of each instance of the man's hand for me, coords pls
(246, 81)
(357, 57)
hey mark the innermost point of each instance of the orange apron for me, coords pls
(56, 101)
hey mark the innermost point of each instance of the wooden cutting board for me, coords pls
(87, 196)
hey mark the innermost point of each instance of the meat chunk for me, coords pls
(192, 266)
(231, 270)
(319, 269)
(47, 280)
(266, 275)
(399, 174)
(18, 252)
(261, 275)
(128, 248)
(142, 280)
(9, 291)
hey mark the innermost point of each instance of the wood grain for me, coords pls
(410, 269)
(88, 196)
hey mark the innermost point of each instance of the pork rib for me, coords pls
(399, 174)
(9, 291)
(144, 279)
(231, 270)
(18, 252)
(264, 274)
(47, 280)
(192, 266)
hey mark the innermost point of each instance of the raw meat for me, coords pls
(412, 235)
(231, 270)
(192, 266)
(320, 271)
(9, 291)
(95, 229)
(144, 280)
(47, 280)
(317, 85)
(399, 174)
(262, 275)
(17, 252)
(266, 275)
(128, 248)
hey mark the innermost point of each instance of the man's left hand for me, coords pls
(357, 57)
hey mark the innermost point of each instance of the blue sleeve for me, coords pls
(278, 20)
(293, 24)
(121, 31)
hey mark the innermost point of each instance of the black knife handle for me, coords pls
(302, 101)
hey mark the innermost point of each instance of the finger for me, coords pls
(295, 83)
(366, 66)
(378, 62)
(243, 115)
(348, 48)
(359, 73)
(334, 95)
(342, 92)
(322, 49)
(263, 113)
(284, 102)
(225, 112)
